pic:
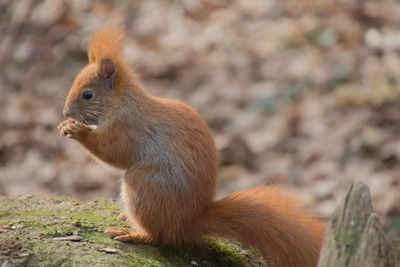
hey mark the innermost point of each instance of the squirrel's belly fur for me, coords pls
(170, 162)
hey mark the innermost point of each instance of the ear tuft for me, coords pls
(107, 68)
(106, 43)
(104, 50)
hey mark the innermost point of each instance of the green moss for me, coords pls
(4, 213)
(227, 254)
(37, 222)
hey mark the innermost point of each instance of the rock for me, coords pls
(8, 263)
(109, 250)
(70, 238)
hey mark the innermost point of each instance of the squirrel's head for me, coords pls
(101, 81)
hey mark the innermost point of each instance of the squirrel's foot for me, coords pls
(114, 231)
(126, 235)
(73, 129)
(122, 216)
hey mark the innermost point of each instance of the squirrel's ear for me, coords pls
(108, 72)
(107, 68)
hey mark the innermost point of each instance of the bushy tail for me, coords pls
(270, 221)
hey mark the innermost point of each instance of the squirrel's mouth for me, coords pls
(85, 116)
(91, 117)
(86, 120)
(89, 121)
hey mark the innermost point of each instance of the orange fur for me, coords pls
(106, 43)
(170, 162)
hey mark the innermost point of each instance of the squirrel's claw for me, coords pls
(126, 235)
(72, 128)
(124, 238)
(114, 232)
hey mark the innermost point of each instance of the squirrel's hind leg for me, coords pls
(127, 235)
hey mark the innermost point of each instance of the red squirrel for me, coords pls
(170, 161)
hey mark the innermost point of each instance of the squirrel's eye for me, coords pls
(87, 94)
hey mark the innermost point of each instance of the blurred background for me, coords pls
(299, 93)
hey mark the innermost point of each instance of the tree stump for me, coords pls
(354, 236)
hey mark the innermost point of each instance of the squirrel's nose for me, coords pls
(66, 113)
(69, 111)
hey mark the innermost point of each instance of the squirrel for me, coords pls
(170, 166)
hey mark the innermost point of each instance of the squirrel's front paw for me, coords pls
(73, 129)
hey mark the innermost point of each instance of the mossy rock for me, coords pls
(61, 231)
